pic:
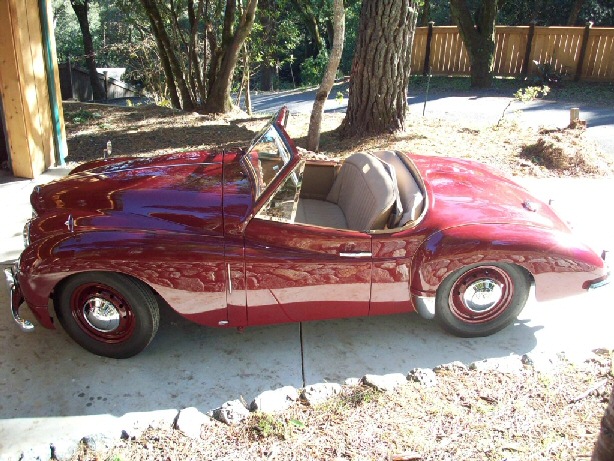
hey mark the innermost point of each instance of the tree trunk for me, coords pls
(162, 38)
(219, 100)
(604, 449)
(575, 11)
(478, 35)
(80, 8)
(308, 17)
(315, 121)
(380, 70)
(426, 13)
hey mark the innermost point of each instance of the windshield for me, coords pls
(266, 158)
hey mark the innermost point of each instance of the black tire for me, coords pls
(481, 299)
(108, 314)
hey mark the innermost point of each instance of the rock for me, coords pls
(509, 364)
(231, 413)
(352, 381)
(190, 421)
(424, 376)
(275, 401)
(452, 366)
(384, 383)
(98, 442)
(316, 394)
(542, 362)
(134, 424)
(64, 449)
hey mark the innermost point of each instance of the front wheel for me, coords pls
(480, 300)
(108, 314)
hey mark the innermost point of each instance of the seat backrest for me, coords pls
(411, 196)
(364, 191)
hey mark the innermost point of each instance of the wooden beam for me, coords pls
(12, 92)
(24, 88)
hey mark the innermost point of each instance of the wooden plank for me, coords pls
(39, 72)
(12, 94)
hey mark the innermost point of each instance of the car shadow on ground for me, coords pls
(190, 365)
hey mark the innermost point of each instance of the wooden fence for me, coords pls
(585, 53)
(75, 84)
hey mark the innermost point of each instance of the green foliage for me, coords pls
(82, 116)
(531, 93)
(527, 94)
(266, 426)
(312, 70)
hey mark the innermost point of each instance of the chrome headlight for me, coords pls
(26, 233)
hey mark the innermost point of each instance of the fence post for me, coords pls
(527, 53)
(427, 53)
(587, 30)
(106, 85)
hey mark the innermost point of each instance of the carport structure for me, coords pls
(31, 112)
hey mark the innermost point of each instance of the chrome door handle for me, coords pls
(363, 254)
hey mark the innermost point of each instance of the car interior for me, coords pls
(368, 191)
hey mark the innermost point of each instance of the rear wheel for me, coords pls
(108, 314)
(480, 300)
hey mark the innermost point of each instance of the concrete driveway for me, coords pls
(52, 389)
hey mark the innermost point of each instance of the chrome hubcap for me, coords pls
(101, 314)
(482, 295)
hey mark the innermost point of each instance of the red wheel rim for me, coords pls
(102, 313)
(481, 294)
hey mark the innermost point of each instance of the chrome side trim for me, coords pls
(15, 294)
(425, 306)
(364, 254)
(601, 283)
(229, 280)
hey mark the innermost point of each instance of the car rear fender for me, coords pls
(559, 264)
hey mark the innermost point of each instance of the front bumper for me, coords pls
(16, 300)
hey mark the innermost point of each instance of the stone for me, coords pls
(316, 394)
(352, 381)
(542, 362)
(275, 401)
(190, 421)
(132, 425)
(452, 366)
(424, 376)
(98, 442)
(231, 412)
(510, 364)
(384, 383)
(64, 449)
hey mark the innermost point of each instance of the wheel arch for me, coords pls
(541, 253)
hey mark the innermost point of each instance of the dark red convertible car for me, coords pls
(268, 235)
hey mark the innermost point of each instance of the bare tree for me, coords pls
(315, 121)
(380, 70)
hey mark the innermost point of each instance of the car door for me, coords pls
(297, 272)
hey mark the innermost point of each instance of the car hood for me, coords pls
(466, 192)
(175, 192)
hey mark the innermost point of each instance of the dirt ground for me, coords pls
(152, 130)
(468, 415)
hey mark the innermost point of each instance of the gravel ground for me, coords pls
(467, 415)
